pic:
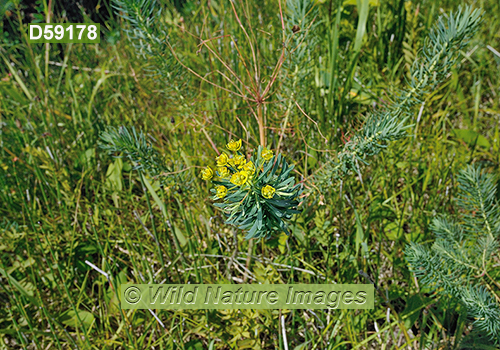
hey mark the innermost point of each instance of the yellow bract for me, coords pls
(223, 172)
(222, 159)
(221, 191)
(237, 161)
(239, 178)
(207, 174)
(234, 145)
(268, 191)
(266, 154)
(250, 167)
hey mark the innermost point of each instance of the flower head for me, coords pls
(237, 161)
(223, 172)
(207, 174)
(268, 191)
(239, 178)
(234, 145)
(249, 167)
(221, 191)
(266, 154)
(222, 159)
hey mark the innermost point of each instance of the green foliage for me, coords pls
(482, 212)
(134, 146)
(460, 261)
(4, 7)
(150, 36)
(301, 28)
(67, 204)
(450, 35)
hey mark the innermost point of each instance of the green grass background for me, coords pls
(66, 201)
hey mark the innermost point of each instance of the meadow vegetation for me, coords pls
(103, 148)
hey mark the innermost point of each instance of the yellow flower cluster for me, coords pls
(266, 154)
(222, 159)
(246, 169)
(268, 191)
(249, 167)
(221, 191)
(207, 174)
(239, 178)
(223, 172)
(236, 169)
(237, 161)
(234, 145)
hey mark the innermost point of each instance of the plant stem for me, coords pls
(260, 120)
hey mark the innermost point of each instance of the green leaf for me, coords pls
(312, 159)
(182, 239)
(86, 157)
(471, 137)
(157, 199)
(393, 231)
(298, 233)
(16, 96)
(302, 346)
(17, 78)
(194, 345)
(282, 242)
(252, 231)
(259, 218)
(359, 231)
(247, 344)
(19, 287)
(363, 8)
(114, 175)
(70, 318)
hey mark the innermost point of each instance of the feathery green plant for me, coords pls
(441, 48)
(134, 146)
(149, 37)
(460, 262)
(301, 24)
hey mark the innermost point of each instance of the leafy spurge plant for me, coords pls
(258, 195)
(128, 143)
(432, 66)
(460, 262)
